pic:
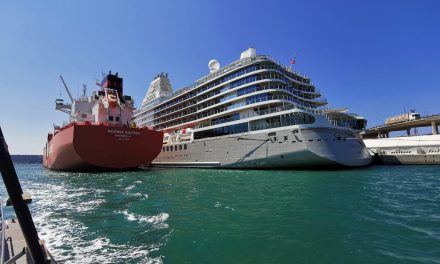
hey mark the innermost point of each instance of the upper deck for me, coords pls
(248, 82)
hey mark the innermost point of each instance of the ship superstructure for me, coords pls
(255, 112)
(108, 105)
(99, 133)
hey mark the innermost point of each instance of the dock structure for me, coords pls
(382, 131)
(15, 247)
(19, 241)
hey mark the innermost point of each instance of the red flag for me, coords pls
(292, 61)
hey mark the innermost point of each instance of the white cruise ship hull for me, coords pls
(281, 148)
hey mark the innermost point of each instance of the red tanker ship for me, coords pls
(100, 135)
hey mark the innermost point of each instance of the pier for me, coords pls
(19, 241)
(382, 131)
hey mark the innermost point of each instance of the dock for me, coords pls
(382, 131)
(410, 149)
(15, 247)
(19, 238)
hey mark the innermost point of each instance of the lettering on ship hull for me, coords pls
(123, 134)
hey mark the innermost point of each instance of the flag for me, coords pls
(292, 61)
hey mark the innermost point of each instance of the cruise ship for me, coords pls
(252, 113)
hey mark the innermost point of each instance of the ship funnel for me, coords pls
(213, 66)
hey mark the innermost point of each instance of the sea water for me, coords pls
(378, 214)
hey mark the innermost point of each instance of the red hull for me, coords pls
(91, 147)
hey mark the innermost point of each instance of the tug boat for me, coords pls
(100, 134)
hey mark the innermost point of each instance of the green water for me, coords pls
(380, 214)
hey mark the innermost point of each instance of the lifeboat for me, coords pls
(184, 134)
(112, 98)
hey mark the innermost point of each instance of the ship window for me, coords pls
(168, 149)
(184, 146)
(175, 148)
(110, 118)
(180, 147)
(286, 138)
(117, 118)
(296, 119)
(163, 148)
(220, 131)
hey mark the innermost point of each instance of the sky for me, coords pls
(377, 58)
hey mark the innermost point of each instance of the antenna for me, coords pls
(84, 90)
(67, 89)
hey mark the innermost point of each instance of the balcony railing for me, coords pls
(233, 66)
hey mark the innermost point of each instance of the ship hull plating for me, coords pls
(98, 147)
(286, 148)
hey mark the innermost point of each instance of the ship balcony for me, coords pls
(228, 84)
(210, 88)
(206, 99)
(244, 105)
(265, 89)
(315, 93)
(267, 70)
(231, 98)
(241, 64)
(319, 101)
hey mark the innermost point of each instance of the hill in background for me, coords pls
(27, 158)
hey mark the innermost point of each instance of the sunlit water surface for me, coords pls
(380, 214)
